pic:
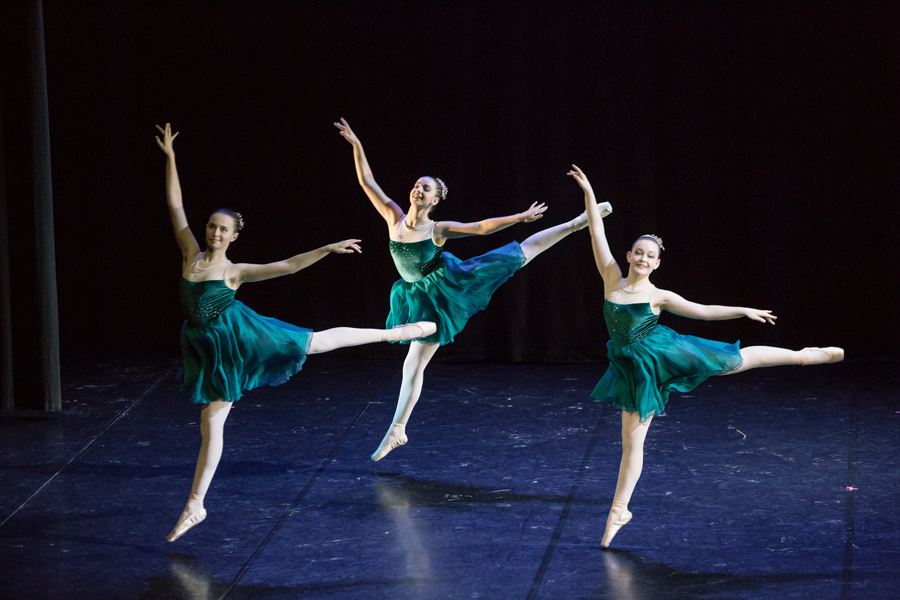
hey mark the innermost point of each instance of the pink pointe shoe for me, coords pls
(410, 331)
(186, 521)
(580, 222)
(820, 356)
(614, 523)
(394, 438)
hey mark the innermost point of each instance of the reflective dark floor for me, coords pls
(779, 483)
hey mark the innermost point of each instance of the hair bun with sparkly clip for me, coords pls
(240, 219)
(656, 239)
(443, 188)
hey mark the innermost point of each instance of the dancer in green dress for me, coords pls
(227, 347)
(435, 285)
(647, 360)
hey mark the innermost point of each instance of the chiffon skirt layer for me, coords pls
(641, 374)
(453, 292)
(240, 350)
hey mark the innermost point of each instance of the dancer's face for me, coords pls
(643, 258)
(424, 193)
(220, 231)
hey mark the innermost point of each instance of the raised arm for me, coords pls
(243, 273)
(386, 207)
(606, 264)
(675, 304)
(186, 240)
(445, 230)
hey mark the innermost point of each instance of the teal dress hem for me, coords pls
(647, 361)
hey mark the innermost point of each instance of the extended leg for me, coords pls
(633, 435)
(769, 356)
(413, 376)
(342, 337)
(212, 432)
(542, 240)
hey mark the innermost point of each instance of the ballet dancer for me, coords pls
(226, 346)
(435, 285)
(647, 360)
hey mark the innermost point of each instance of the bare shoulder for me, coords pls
(662, 299)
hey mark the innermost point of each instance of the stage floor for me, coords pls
(777, 483)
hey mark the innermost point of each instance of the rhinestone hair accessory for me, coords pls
(240, 219)
(443, 188)
(656, 239)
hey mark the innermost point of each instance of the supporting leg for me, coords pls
(212, 431)
(413, 376)
(342, 337)
(633, 435)
(769, 356)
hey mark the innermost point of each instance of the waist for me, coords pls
(621, 340)
(423, 271)
(203, 315)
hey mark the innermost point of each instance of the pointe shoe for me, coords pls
(410, 331)
(614, 523)
(186, 521)
(580, 222)
(832, 354)
(394, 438)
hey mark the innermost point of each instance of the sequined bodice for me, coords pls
(628, 323)
(202, 301)
(415, 260)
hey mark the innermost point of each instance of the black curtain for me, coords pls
(759, 140)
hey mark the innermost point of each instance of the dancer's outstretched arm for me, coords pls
(606, 264)
(243, 273)
(186, 240)
(387, 208)
(446, 230)
(672, 302)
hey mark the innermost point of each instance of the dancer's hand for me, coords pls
(763, 316)
(345, 247)
(347, 133)
(579, 176)
(534, 212)
(165, 144)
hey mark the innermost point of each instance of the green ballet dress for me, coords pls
(438, 287)
(228, 348)
(647, 360)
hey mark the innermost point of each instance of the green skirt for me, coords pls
(641, 374)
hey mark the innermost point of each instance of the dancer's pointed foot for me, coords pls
(580, 222)
(820, 356)
(410, 331)
(615, 522)
(394, 438)
(187, 520)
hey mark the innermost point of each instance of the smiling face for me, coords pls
(220, 231)
(643, 258)
(425, 193)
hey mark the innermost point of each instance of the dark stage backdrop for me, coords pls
(760, 140)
